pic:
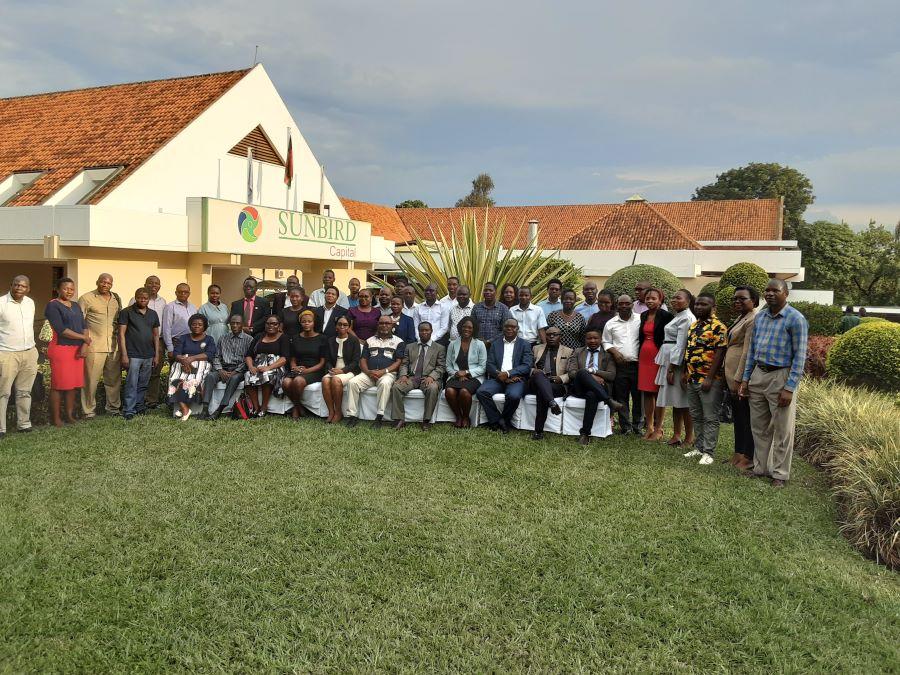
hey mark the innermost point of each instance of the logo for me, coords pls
(249, 225)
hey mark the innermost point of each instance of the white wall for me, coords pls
(819, 297)
(188, 166)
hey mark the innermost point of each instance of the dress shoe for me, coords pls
(426, 426)
(537, 435)
(555, 409)
(778, 484)
(352, 422)
(503, 426)
(399, 425)
(584, 439)
(376, 423)
(615, 405)
(26, 430)
(214, 415)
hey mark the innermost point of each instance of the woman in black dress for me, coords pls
(265, 364)
(307, 362)
(290, 315)
(570, 323)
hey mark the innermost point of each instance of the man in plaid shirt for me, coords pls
(490, 315)
(775, 365)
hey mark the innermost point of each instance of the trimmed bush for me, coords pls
(822, 319)
(851, 434)
(712, 288)
(871, 319)
(623, 280)
(868, 354)
(817, 349)
(739, 274)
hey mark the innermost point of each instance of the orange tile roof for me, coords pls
(118, 125)
(385, 220)
(727, 220)
(632, 225)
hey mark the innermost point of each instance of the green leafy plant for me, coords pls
(871, 319)
(739, 274)
(817, 348)
(712, 287)
(474, 253)
(868, 354)
(822, 319)
(622, 281)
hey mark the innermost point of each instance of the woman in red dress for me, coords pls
(651, 337)
(65, 350)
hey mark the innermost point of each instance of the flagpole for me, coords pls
(288, 170)
(249, 175)
(321, 189)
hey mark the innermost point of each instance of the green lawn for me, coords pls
(276, 546)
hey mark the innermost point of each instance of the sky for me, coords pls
(566, 102)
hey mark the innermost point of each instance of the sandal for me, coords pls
(675, 444)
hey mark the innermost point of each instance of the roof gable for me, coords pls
(263, 150)
(65, 132)
(632, 225)
(385, 220)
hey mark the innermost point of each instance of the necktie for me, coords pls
(248, 311)
(592, 359)
(420, 362)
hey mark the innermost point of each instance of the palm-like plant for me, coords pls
(475, 254)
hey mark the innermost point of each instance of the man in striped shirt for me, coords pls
(774, 367)
(228, 366)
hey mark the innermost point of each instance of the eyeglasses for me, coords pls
(271, 323)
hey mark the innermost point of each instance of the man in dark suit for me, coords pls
(328, 314)
(592, 372)
(253, 308)
(548, 378)
(422, 368)
(280, 299)
(508, 364)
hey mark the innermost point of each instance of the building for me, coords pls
(695, 240)
(152, 178)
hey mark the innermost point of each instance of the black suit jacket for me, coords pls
(278, 302)
(260, 312)
(352, 351)
(659, 323)
(328, 329)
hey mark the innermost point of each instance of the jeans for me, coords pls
(705, 407)
(136, 381)
(514, 391)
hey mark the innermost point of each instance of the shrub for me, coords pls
(623, 280)
(871, 319)
(868, 354)
(822, 319)
(712, 288)
(852, 435)
(739, 274)
(816, 352)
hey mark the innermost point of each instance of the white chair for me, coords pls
(573, 417)
(368, 405)
(313, 401)
(500, 401)
(219, 391)
(413, 406)
(279, 405)
(527, 413)
(443, 413)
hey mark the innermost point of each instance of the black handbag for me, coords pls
(726, 412)
(38, 390)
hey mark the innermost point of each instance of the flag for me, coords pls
(289, 164)
(249, 175)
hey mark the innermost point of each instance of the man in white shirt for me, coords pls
(620, 339)
(433, 312)
(532, 322)
(18, 355)
(462, 307)
(450, 298)
(317, 298)
(408, 294)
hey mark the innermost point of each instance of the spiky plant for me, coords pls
(474, 252)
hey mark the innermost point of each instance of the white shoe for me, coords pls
(178, 414)
(690, 454)
(706, 459)
(188, 414)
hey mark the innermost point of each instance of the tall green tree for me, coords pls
(480, 195)
(876, 280)
(830, 255)
(411, 204)
(758, 181)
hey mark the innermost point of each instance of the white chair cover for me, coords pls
(573, 416)
(527, 413)
(443, 413)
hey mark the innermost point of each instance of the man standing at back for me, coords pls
(253, 308)
(317, 297)
(18, 355)
(175, 318)
(448, 300)
(490, 315)
(532, 322)
(553, 302)
(772, 375)
(849, 320)
(157, 303)
(433, 312)
(620, 340)
(101, 357)
(589, 307)
(456, 311)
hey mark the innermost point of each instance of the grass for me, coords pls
(292, 547)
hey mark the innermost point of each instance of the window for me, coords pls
(16, 184)
(82, 188)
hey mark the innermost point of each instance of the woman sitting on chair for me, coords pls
(307, 362)
(343, 352)
(265, 364)
(193, 355)
(466, 363)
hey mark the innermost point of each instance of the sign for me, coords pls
(231, 227)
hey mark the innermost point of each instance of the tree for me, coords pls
(412, 204)
(876, 279)
(761, 181)
(830, 254)
(480, 195)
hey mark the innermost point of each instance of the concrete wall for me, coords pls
(41, 276)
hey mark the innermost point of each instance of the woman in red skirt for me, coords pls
(651, 337)
(65, 350)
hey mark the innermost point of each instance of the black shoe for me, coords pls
(503, 426)
(26, 431)
(537, 435)
(127, 417)
(376, 423)
(584, 439)
(555, 409)
(352, 421)
(2, 435)
(614, 405)
(215, 414)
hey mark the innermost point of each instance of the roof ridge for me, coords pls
(126, 84)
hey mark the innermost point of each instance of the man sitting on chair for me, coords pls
(228, 366)
(381, 357)
(508, 364)
(548, 378)
(591, 374)
(422, 368)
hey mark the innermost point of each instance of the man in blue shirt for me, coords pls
(553, 301)
(589, 307)
(774, 367)
(509, 363)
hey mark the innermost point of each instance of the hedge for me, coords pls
(739, 274)
(712, 288)
(622, 281)
(851, 434)
(871, 319)
(869, 355)
(823, 319)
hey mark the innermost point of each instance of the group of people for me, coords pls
(638, 355)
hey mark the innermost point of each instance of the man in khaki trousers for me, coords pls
(101, 358)
(18, 355)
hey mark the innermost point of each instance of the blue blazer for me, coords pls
(523, 358)
(477, 358)
(406, 329)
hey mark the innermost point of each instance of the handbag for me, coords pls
(726, 412)
(38, 390)
(243, 408)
